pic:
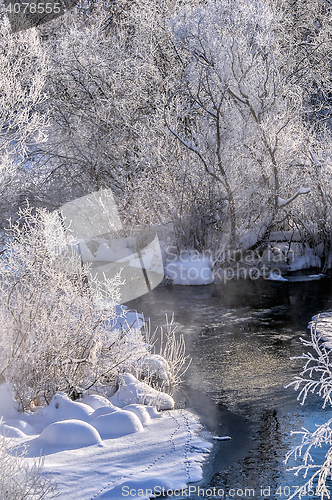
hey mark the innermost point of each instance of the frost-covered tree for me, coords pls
(236, 112)
(54, 336)
(315, 378)
(23, 116)
(102, 90)
(304, 35)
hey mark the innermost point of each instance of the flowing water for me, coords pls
(241, 337)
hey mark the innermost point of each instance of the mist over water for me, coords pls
(241, 336)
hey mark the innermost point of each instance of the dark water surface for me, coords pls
(241, 336)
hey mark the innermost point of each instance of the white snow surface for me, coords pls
(277, 277)
(95, 450)
(132, 391)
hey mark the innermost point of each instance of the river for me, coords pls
(241, 337)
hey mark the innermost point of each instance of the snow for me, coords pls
(64, 435)
(191, 268)
(59, 409)
(167, 453)
(102, 450)
(116, 424)
(140, 411)
(276, 277)
(131, 391)
(10, 432)
(102, 410)
(301, 190)
(96, 401)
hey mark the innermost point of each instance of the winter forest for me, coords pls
(165, 241)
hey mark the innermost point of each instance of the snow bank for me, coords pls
(132, 391)
(10, 431)
(104, 449)
(167, 454)
(96, 401)
(102, 410)
(191, 268)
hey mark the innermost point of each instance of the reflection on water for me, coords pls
(241, 336)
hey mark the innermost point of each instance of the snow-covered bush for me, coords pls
(53, 335)
(315, 378)
(20, 481)
(167, 361)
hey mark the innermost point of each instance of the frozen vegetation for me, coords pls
(315, 450)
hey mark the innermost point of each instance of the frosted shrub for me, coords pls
(20, 481)
(315, 378)
(167, 361)
(53, 337)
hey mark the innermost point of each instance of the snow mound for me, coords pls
(11, 432)
(63, 408)
(21, 425)
(131, 391)
(117, 424)
(95, 401)
(140, 411)
(71, 433)
(102, 410)
(276, 277)
(8, 406)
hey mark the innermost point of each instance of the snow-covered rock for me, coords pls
(71, 433)
(60, 408)
(117, 424)
(21, 425)
(153, 412)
